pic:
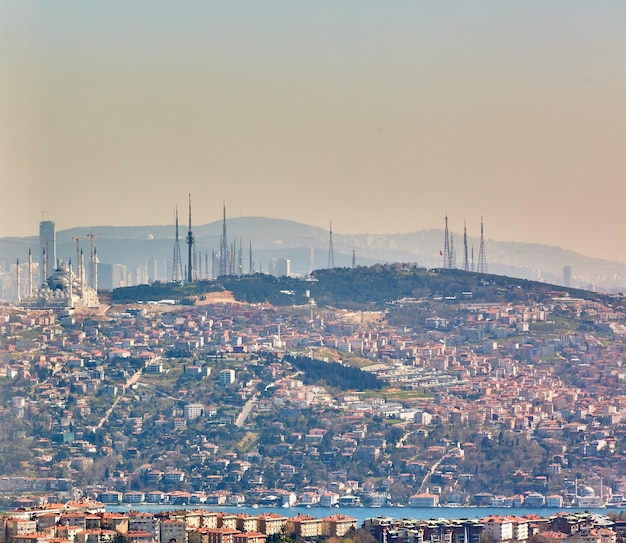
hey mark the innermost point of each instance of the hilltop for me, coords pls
(365, 288)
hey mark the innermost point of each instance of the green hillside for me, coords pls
(370, 287)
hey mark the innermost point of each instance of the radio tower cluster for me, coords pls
(449, 254)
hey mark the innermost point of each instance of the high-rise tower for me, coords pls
(47, 250)
(190, 241)
(18, 280)
(30, 272)
(177, 264)
(482, 259)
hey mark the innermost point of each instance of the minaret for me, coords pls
(177, 265)
(69, 282)
(482, 259)
(18, 279)
(78, 252)
(95, 269)
(190, 248)
(465, 261)
(44, 272)
(353, 258)
(446, 246)
(331, 250)
(30, 272)
(81, 276)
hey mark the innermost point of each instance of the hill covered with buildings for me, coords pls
(391, 389)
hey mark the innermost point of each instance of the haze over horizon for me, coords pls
(379, 117)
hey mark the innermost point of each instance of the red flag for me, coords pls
(440, 253)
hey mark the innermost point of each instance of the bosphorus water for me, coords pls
(362, 513)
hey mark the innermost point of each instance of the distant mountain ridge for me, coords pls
(307, 248)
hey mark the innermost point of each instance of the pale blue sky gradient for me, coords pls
(379, 116)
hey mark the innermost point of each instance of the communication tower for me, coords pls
(465, 261)
(177, 264)
(452, 260)
(331, 251)
(224, 258)
(482, 260)
(190, 241)
(446, 246)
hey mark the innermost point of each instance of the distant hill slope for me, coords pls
(307, 248)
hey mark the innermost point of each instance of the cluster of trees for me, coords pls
(334, 375)
(163, 291)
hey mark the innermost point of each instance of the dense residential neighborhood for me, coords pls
(423, 402)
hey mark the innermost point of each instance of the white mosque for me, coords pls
(62, 288)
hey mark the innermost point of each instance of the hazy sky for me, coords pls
(380, 116)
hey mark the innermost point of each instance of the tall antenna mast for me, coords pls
(190, 241)
(177, 264)
(465, 261)
(353, 258)
(482, 260)
(452, 263)
(331, 251)
(251, 271)
(446, 246)
(224, 260)
(240, 258)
